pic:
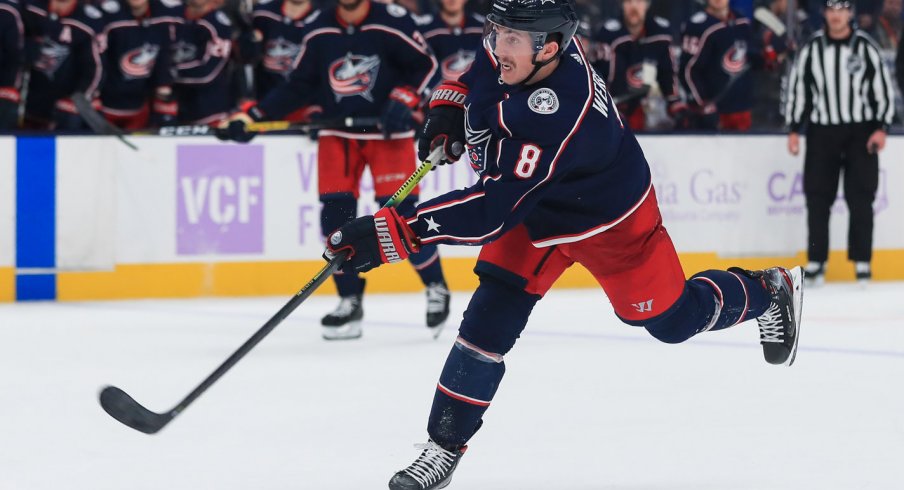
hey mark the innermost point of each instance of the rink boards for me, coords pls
(185, 217)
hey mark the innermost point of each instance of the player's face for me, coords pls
(61, 6)
(635, 11)
(838, 18)
(453, 6)
(717, 4)
(137, 4)
(515, 51)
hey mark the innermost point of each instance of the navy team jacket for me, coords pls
(350, 70)
(201, 57)
(137, 52)
(712, 52)
(12, 49)
(553, 155)
(282, 36)
(455, 47)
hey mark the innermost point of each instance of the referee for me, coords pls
(841, 91)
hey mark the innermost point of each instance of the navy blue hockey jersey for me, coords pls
(201, 54)
(282, 36)
(137, 53)
(65, 56)
(350, 70)
(621, 58)
(12, 49)
(553, 155)
(714, 51)
(454, 46)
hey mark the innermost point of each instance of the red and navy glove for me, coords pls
(164, 107)
(235, 128)
(445, 123)
(398, 113)
(372, 241)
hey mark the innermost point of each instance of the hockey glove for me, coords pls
(9, 108)
(445, 123)
(236, 127)
(372, 241)
(398, 113)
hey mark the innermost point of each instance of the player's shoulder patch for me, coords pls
(396, 10)
(422, 20)
(222, 18)
(577, 58)
(110, 6)
(662, 22)
(92, 12)
(698, 18)
(543, 101)
(612, 25)
(172, 3)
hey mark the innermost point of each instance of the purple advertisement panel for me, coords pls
(220, 207)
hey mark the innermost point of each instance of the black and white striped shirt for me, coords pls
(839, 82)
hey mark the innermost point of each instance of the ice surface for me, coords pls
(587, 403)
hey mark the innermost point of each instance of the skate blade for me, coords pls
(349, 331)
(798, 298)
(437, 330)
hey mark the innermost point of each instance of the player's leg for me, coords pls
(636, 263)
(822, 164)
(338, 170)
(391, 162)
(513, 277)
(861, 180)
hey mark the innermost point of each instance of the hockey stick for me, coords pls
(96, 121)
(770, 20)
(632, 95)
(125, 409)
(264, 127)
(725, 89)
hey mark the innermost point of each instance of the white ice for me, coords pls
(587, 403)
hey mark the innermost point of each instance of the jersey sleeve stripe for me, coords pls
(690, 65)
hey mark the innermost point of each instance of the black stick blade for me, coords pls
(125, 409)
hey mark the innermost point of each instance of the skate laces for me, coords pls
(431, 465)
(436, 298)
(771, 324)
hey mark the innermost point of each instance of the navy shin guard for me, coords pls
(339, 209)
(712, 300)
(464, 392)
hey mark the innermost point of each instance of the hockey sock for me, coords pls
(466, 387)
(712, 300)
(426, 262)
(339, 209)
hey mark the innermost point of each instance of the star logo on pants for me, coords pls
(432, 225)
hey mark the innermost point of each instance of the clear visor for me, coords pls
(504, 41)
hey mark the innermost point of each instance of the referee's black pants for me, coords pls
(831, 150)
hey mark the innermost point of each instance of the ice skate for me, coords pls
(344, 323)
(437, 307)
(815, 274)
(431, 470)
(780, 324)
(863, 272)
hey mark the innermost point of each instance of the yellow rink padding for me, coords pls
(7, 284)
(285, 278)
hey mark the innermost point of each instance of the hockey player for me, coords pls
(562, 181)
(61, 34)
(629, 47)
(453, 35)
(714, 67)
(360, 58)
(280, 24)
(12, 58)
(137, 88)
(201, 55)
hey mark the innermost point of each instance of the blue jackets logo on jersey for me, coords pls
(735, 58)
(455, 65)
(279, 55)
(354, 75)
(139, 62)
(543, 101)
(53, 54)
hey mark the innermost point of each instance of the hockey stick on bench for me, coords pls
(264, 127)
(125, 409)
(96, 121)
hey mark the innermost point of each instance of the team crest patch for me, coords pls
(855, 63)
(543, 101)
